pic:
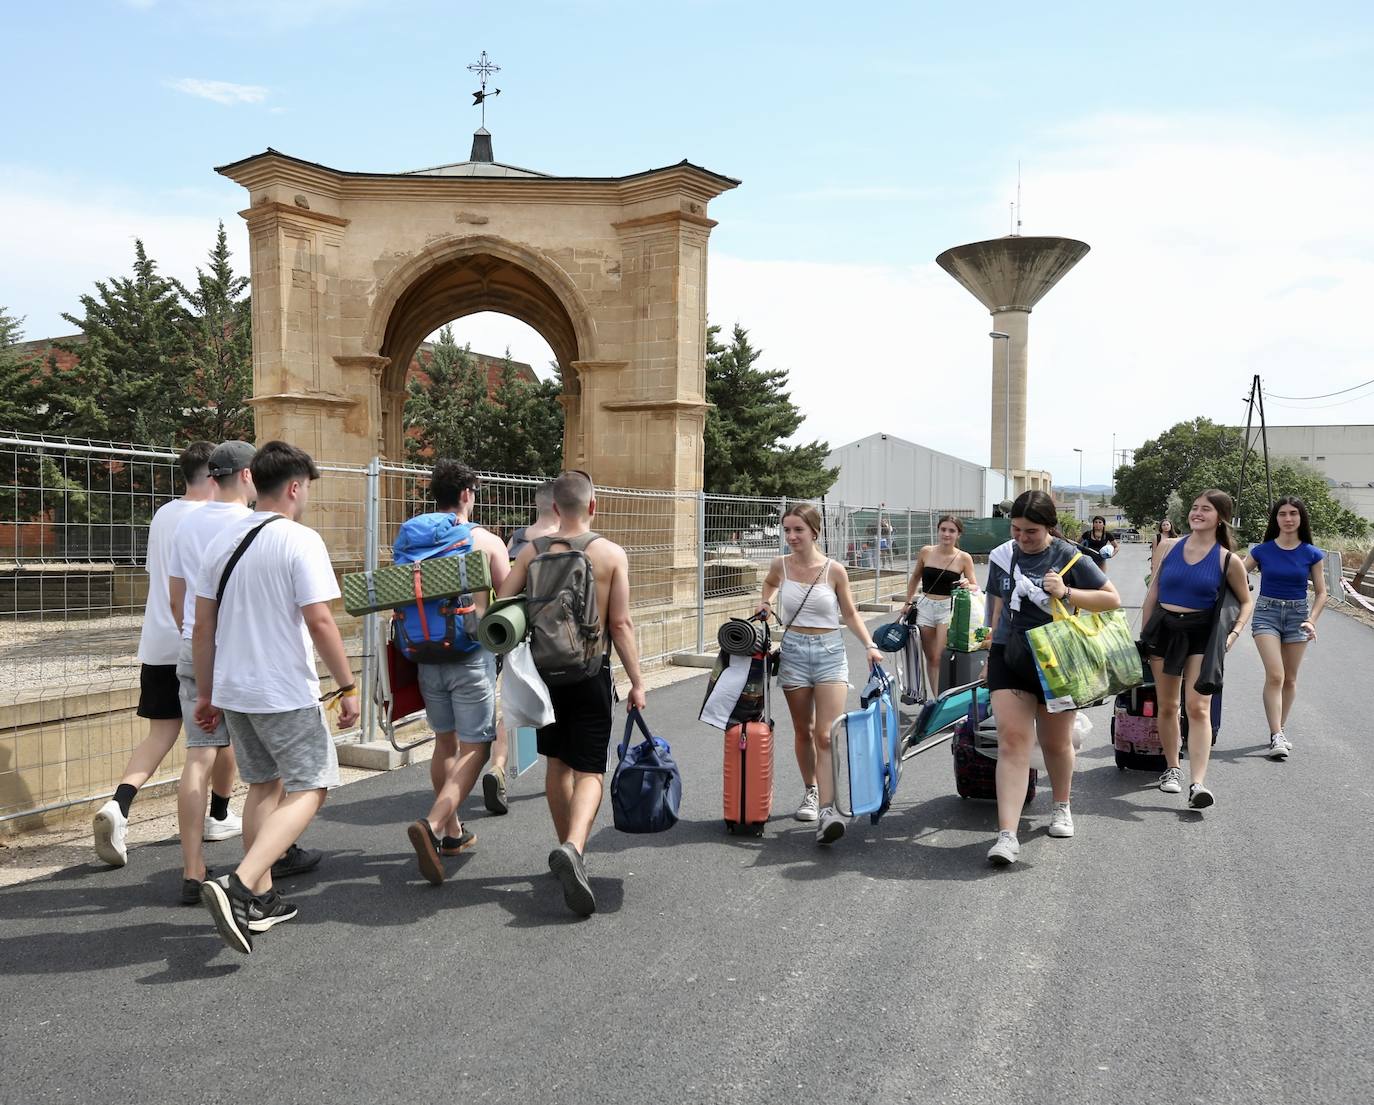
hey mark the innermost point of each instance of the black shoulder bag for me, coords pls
(238, 553)
(1224, 616)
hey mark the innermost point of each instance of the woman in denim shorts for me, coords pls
(1283, 626)
(940, 569)
(813, 597)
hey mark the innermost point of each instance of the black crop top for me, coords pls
(939, 581)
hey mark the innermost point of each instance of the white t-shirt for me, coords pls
(264, 657)
(192, 538)
(160, 640)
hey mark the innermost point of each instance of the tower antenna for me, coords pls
(1018, 196)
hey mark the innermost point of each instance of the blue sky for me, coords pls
(1217, 157)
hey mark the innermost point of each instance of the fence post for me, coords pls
(910, 560)
(369, 658)
(878, 555)
(782, 511)
(701, 572)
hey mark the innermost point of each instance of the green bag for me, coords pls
(395, 585)
(966, 619)
(1084, 658)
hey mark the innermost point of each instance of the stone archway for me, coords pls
(349, 268)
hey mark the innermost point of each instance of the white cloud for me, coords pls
(1220, 248)
(221, 92)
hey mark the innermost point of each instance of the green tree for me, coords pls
(220, 358)
(451, 415)
(1170, 470)
(21, 392)
(530, 441)
(130, 383)
(751, 418)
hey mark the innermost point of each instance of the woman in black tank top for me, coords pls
(939, 570)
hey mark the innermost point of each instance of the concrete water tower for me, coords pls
(1010, 276)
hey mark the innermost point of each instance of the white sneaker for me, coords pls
(1171, 782)
(226, 829)
(1279, 747)
(1005, 850)
(1061, 820)
(110, 827)
(1199, 797)
(831, 827)
(810, 808)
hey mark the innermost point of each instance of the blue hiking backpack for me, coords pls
(441, 630)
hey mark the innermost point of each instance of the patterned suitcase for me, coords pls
(397, 584)
(1135, 731)
(975, 761)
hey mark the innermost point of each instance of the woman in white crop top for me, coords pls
(811, 595)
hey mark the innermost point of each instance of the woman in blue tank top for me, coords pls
(1187, 574)
(1283, 627)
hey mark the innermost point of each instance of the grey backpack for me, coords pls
(565, 623)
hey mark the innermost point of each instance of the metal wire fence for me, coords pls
(74, 520)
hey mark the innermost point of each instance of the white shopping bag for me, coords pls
(524, 697)
(1082, 726)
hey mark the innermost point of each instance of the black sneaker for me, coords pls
(457, 845)
(565, 862)
(268, 910)
(228, 900)
(296, 861)
(426, 846)
(190, 888)
(494, 791)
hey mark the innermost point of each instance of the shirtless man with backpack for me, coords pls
(577, 588)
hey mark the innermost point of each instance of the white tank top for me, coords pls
(822, 609)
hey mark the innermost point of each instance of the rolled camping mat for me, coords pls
(503, 626)
(740, 637)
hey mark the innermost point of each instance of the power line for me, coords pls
(1324, 406)
(1328, 395)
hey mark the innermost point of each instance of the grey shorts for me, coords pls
(461, 697)
(809, 659)
(294, 746)
(196, 737)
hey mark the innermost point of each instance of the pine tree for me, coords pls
(450, 416)
(21, 393)
(746, 429)
(220, 361)
(531, 438)
(130, 383)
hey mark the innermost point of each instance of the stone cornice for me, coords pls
(664, 218)
(600, 366)
(681, 406)
(290, 211)
(320, 399)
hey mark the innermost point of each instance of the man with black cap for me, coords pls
(158, 644)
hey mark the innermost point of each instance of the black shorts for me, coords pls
(159, 692)
(581, 733)
(1016, 674)
(1175, 636)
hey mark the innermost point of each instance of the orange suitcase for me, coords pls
(749, 766)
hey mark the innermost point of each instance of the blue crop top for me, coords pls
(1190, 586)
(1284, 572)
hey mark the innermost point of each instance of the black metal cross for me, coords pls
(484, 68)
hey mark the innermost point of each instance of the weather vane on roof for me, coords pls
(484, 69)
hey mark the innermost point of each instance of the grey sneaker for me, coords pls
(1171, 782)
(831, 827)
(810, 808)
(1199, 797)
(1278, 747)
(494, 791)
(1005, 850)
(1061, 820)
(565, 862)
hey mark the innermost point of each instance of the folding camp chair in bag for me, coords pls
(397, 691)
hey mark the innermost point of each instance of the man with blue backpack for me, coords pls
(457, 676)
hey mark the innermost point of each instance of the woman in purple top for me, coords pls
(1283, 627)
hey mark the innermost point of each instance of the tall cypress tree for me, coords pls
(21, 393)
(220, 359)
(749, 423)
(450, 416)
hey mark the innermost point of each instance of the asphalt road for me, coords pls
(1160, 956)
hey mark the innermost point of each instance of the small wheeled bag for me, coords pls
(975, 757)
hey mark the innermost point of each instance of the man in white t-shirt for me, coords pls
(262, 611)
(233, 484)
(158, 645)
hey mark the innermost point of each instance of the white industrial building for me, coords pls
(1343, 454)
(883, 470)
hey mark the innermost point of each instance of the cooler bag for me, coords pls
(957, 669)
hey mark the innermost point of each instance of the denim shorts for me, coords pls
(809, 659)
(460, 697)
(933, 610)
(1281, 618)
